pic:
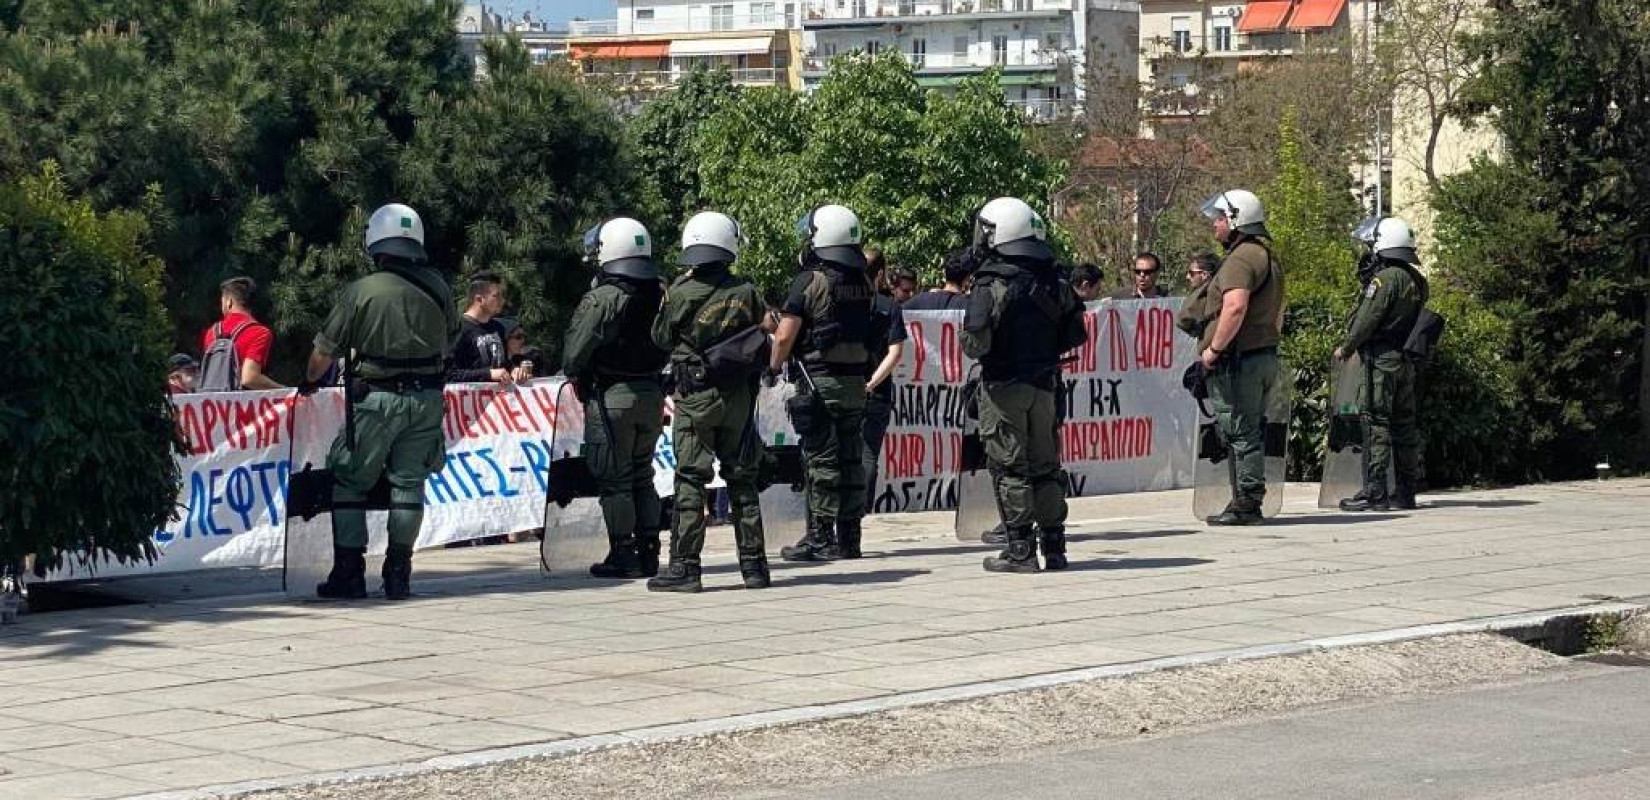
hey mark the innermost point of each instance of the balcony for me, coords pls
(1040, 110)
(1012, 59)
(1234, 45)
(664, 79)
(697, 23)
(863, 13)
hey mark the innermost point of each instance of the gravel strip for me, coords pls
(766, 762)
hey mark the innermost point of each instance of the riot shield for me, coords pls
(575, 536)
(1216, 472)
(977, 509)
(1343, 458)
(784, 501)
(307, 554)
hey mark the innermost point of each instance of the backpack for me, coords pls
(1429, 325)
(738, 355)
(220, 365)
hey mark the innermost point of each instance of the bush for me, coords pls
(88, 436)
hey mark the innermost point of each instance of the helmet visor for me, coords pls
(1365, 232)
(593, 242)
(1216, 207)
(805, 226)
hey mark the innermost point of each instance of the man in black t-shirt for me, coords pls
(886, 345)
(959, 268)
(480, 355)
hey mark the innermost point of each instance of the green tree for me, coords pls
(660, 141)
(90, 465)
(914, 165)
(1552, 236)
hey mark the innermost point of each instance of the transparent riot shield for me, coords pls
(1216, 472)
(575, 537)
(307, 555)
(1343, 458)
(784, 502)
(977, 509)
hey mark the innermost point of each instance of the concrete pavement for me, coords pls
(191, 692)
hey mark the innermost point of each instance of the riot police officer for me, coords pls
(1021, 318)
(395, 327)
(712, 326)
(827, 320)
(1242, 354)
(1394, 294)
(616, 368)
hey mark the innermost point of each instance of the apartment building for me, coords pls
(1038, 44)
(652, 44)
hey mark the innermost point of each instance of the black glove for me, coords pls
(770, 377)
(579, 390)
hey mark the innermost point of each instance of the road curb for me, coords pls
(817, 713)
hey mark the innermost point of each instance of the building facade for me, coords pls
(652, 44)
(1037, 44)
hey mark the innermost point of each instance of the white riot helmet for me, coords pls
(622, 246)
(395, 230)
(1008, 226)
(833, 233)
(710, 237)
(1388, 238)
(1241, 208)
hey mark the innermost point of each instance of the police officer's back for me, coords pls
(1021, 318)
(711, 324)
(611, 357)
(395, 327)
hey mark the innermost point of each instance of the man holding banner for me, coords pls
(395, 327)
(1021, 318)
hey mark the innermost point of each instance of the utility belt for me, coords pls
(691, 378)
(838, 370)
(1045, 380)
(400, 384)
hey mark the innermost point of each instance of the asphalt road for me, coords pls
(1580, 738)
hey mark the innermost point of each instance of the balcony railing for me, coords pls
(1231, 45)
(653, 79)
(1039, 110)
(976, 59)
(894, 9)
(697, 23)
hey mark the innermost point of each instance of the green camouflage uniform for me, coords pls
(397, 336)
(712, 421)
(618, 370)
(1381, 324)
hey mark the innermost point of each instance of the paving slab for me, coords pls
(188, 690)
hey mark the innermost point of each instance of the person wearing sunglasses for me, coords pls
(1147, 266)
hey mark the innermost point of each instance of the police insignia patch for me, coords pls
(1372, 288)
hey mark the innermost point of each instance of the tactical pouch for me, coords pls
(1211, 446)
(739, 356)
(1423, 338)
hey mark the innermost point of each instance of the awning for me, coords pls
(721, 47)
(580, 52)
(1313, 14)
(1262, 16)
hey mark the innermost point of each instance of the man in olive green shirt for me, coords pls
(395, 328)
(1242, 354)
(616, 368)
(715, 415)
(1392, 299)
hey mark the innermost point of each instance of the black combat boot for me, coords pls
(818, 544)
(622, 561)
(1403, 497)
(1054, 548)
(997, 535)
(755, 571)
(647, 552)
(1020, 556)
(847, 538)
(348, 579)
(677, 577)
(397, 572)
(1367, 500)
(1241, 511)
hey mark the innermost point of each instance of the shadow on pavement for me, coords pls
(1476, 503)
(1123, 536)
(849, 578)
(1136, 563)
(1336, 519)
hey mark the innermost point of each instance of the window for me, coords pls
(644, 13)
(1223, 34)
(1182, 29)
(1053, 41)
(763, 14)
(959, 51)
(999, 50)
(721, 17)
(859, 8)
(872, 47)
(907, 7)
(919, 53)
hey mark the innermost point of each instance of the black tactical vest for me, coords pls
(839, 334)
(1025, 344)
(633, 354)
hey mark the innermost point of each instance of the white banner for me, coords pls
(1130, 428)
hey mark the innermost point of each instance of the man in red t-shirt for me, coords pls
(252, 339)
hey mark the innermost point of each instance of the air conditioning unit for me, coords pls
(1227, 11)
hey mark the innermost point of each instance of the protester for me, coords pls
(902, 283)
(1147, 267)
(1085, 280)
(524, 361)
(885, 345)
(236, 349)
(182, 373)
(480, 356)
(959, 269)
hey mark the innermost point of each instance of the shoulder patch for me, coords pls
(1372, 287)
